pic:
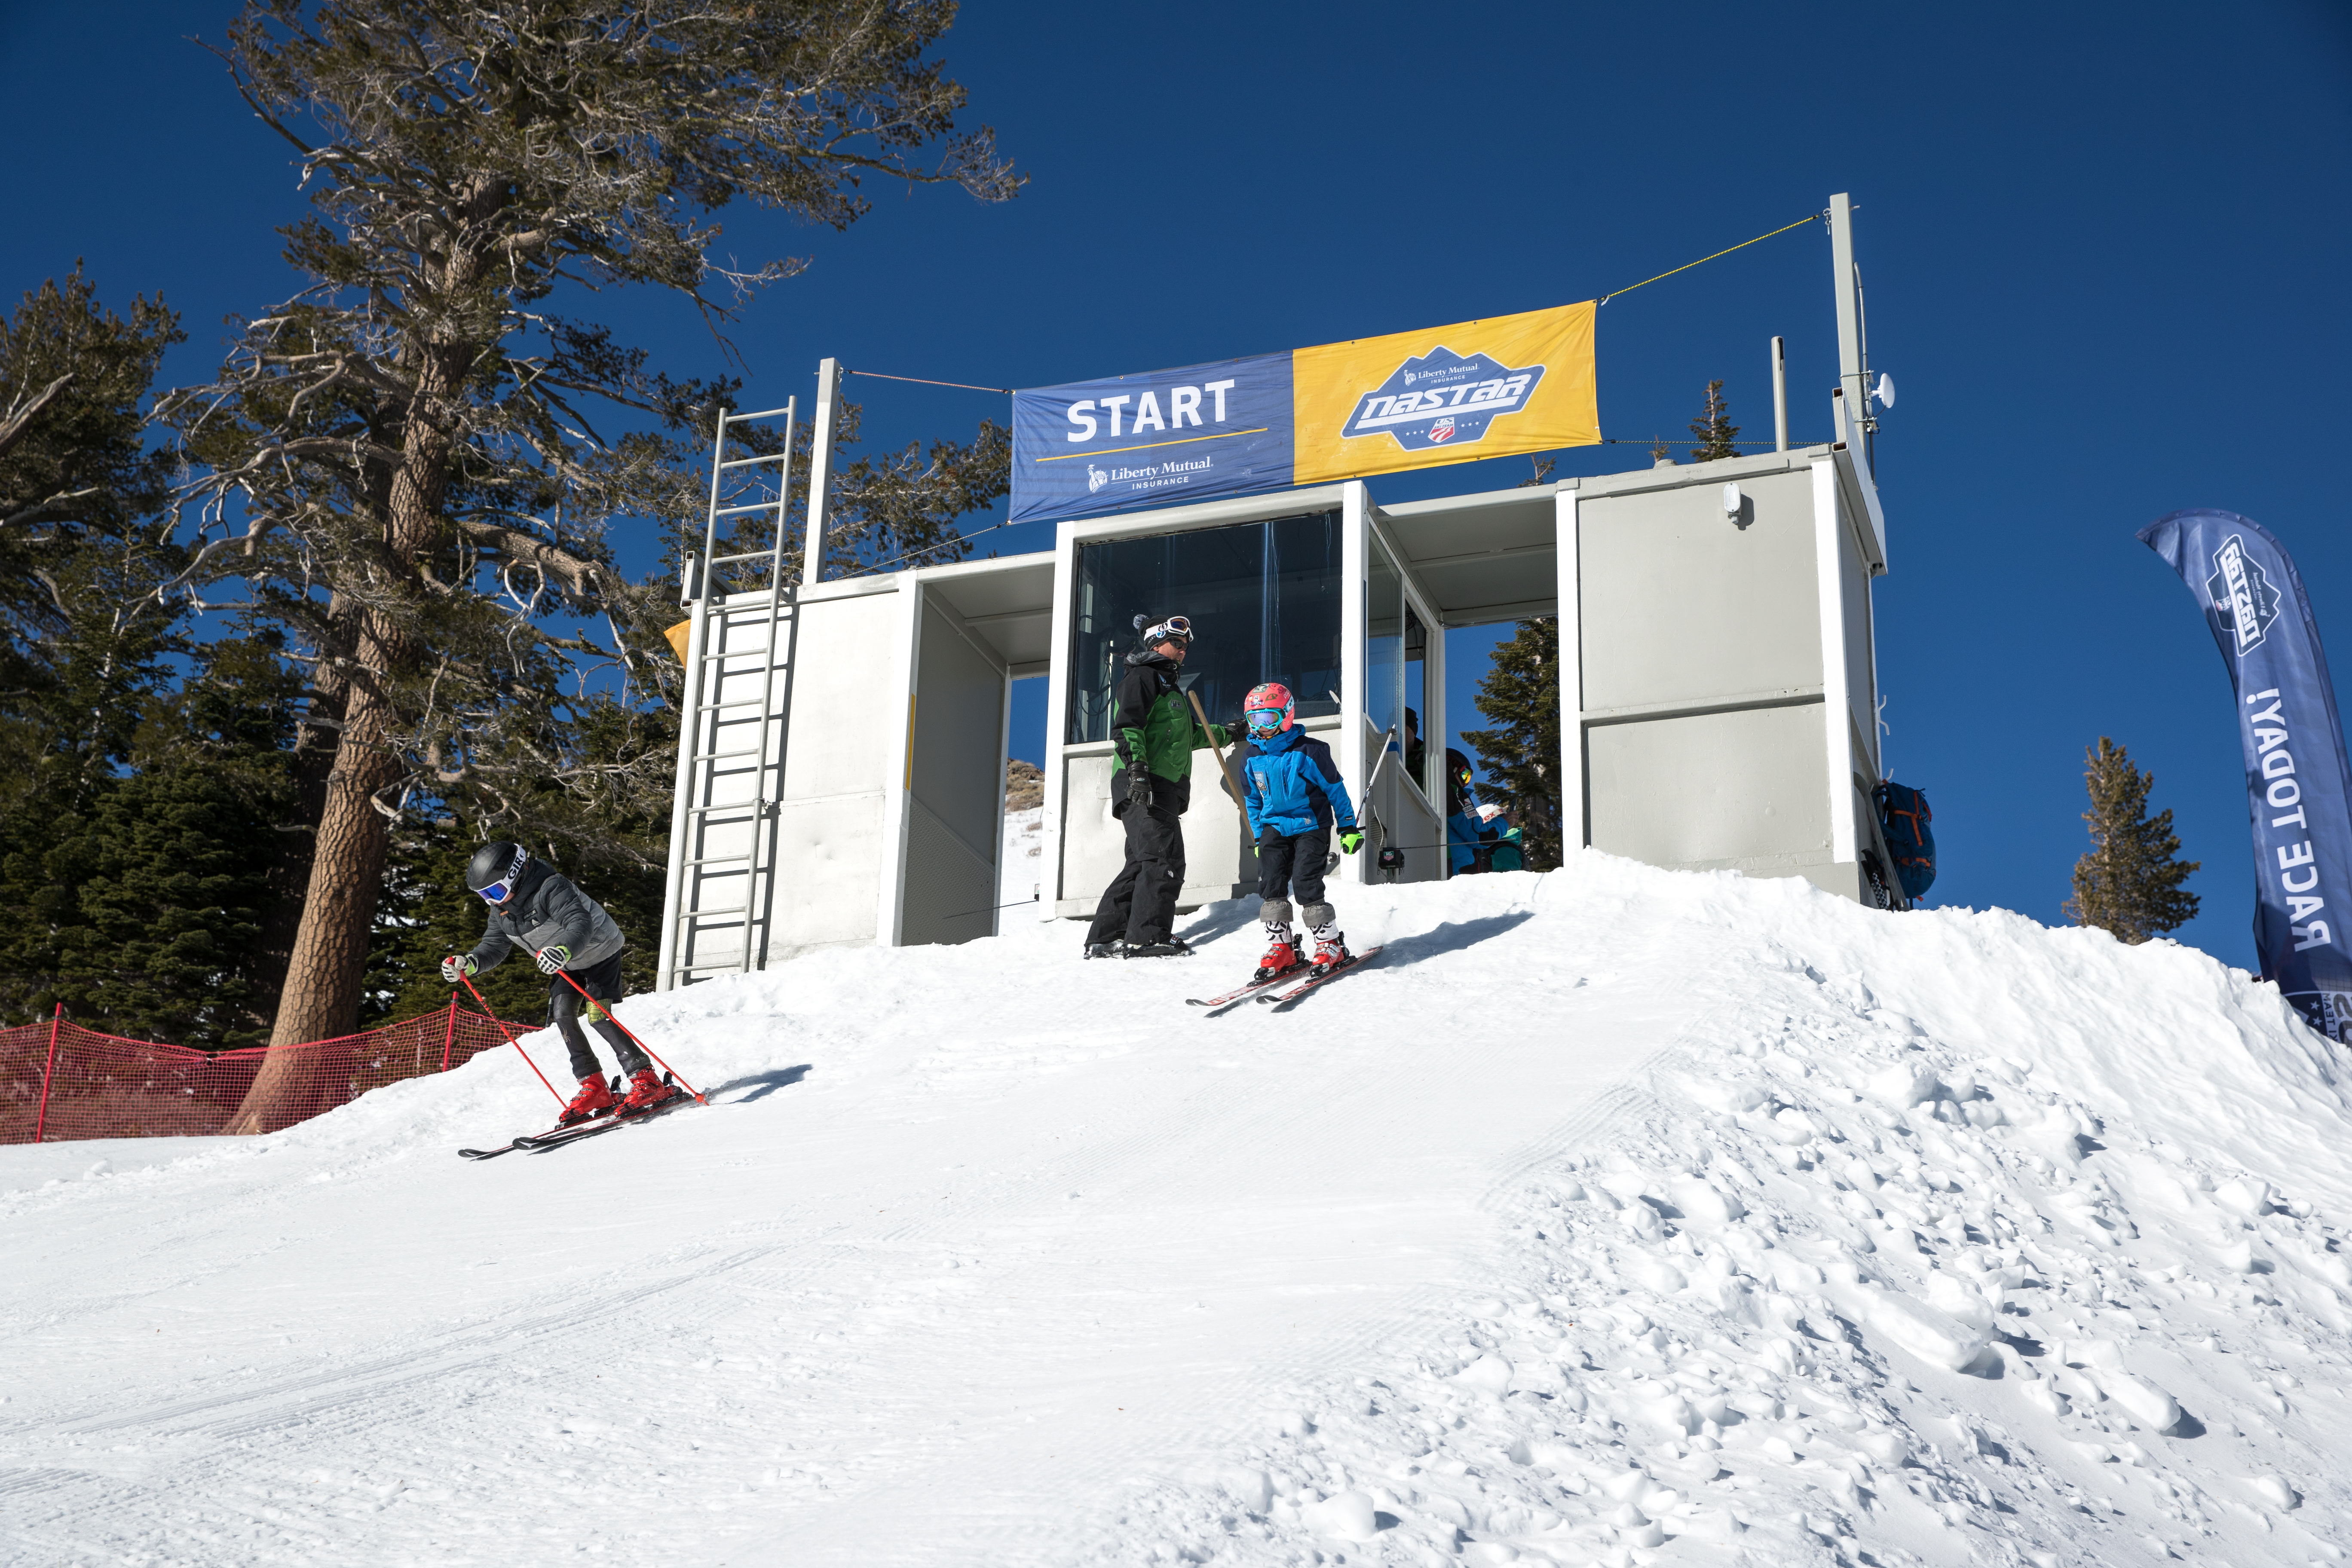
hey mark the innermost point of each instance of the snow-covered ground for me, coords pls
(1020, 868)
(1612, 1216)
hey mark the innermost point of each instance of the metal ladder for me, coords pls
(722, 843)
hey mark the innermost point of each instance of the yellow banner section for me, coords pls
(1445, 395)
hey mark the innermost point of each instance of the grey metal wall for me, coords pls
(1723, 720)
(955, 780)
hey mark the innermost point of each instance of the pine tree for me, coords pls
(1520, 756)
(2129, 882)
(401, 459)
(1717, 436)
(169, 868)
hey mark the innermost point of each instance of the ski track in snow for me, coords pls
(1615, 1215)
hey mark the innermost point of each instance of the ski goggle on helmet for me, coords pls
(1175, 628)
(486, 864)
(1267, 710)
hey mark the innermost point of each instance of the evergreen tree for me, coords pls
(170, 866)
(1717, 436)
(423, 496)
(2130, 881)
(85, 643)
(1520, 756)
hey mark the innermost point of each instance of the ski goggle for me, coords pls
(499, 891)
(1264, 721)
(1175, 628)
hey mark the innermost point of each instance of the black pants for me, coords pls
(602, 981)
(1140, 903)
(1288, 867)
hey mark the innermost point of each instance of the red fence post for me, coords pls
(451, 1037)
(41, 1121)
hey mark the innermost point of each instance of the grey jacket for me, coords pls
(547, 910)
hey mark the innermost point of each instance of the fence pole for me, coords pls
(450, 1038)
(511, 1041)
(632, 1034)
(41, 1121)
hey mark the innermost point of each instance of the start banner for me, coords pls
(1409, 400)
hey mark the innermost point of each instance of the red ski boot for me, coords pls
(594, 1098)
(645, 1091)
(1331, 953)
(1280, 959)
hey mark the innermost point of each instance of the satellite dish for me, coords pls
(1885, 393)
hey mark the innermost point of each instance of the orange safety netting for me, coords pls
(59, 1080)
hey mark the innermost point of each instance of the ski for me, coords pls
(1295, 992)
(539, 1144)
(1230, 997)
(526, 1141)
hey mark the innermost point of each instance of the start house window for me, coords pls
(1264, 598)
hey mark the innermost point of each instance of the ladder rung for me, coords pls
(764, 413)
(747, 555)
(730, 909)
(719, 860)
(725, 806)
(738, 511)
(747, 462)
(728, 756)
(739, 702)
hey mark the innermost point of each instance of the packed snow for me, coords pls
(1612, 1215)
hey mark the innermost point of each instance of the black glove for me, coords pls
(1138, 785)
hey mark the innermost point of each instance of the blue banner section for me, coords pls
(2298, 792)
(1187, 434)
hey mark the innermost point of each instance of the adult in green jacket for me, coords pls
(1155, 735)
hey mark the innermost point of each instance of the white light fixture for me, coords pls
(1731, 500)
(1885, 393)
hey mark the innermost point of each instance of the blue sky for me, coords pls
(2104, 247)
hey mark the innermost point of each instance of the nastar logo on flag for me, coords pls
(2241, 591)
(1443, 397)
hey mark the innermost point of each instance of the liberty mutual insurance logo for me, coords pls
(2241, 591)
(1095, 478)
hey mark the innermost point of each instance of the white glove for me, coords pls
(553, 957)
(454, 966)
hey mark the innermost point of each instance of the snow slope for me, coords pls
(1613, 1215)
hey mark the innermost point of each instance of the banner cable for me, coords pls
(1702, 261)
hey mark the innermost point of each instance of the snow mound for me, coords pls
(1608, 1213)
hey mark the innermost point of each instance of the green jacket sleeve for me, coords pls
(1215, 734)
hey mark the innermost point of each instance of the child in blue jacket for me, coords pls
(1292, 789)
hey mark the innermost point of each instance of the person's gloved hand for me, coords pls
(553, 957)
(1350, 841)
(1139, 786)
(454, 965)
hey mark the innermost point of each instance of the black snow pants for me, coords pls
(1140, 903)
(602, 981)
(1291, 866)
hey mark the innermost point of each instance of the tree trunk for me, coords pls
(321, 998)
(289, 869)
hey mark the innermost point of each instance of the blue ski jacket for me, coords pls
(1291, 784)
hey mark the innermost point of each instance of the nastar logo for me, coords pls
(1465, 395)
(2241, 590)
(1095, 478)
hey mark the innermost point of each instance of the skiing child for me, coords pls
(1292, 790)
(536, 909)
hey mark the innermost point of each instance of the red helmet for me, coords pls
(1267, 710)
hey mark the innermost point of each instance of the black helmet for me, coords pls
(495, 869)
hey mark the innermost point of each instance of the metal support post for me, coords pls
(1854, 364)
(1779, 395)
(828, 400)
(41, 1121)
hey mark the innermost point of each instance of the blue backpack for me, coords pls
(1904, 816)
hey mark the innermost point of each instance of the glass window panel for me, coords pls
(1263, 599)
(1383, 640)
(1416, 701)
